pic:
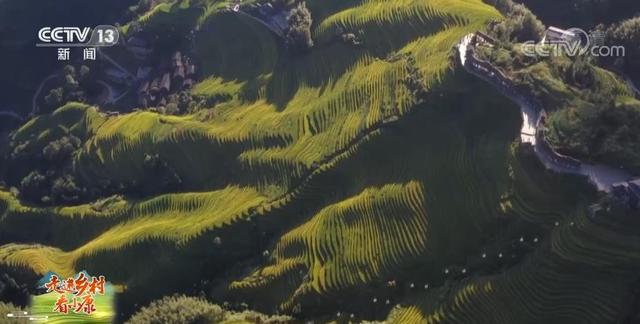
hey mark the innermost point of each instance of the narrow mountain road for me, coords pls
(602, 176)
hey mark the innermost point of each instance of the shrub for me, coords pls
(299, 32)
(69, 70)
(70, 83)
(521, 24)
(84, 72)
(178, 310)
(414, 81)
(60, 150)
(190, 310)
(64, 189)
(579, 73)
(55, 97)
(249, 316)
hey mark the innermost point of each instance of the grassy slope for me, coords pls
(577, 273)
(286, 114)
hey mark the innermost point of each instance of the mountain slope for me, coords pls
(322, 181)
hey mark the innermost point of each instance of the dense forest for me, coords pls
(584, 14)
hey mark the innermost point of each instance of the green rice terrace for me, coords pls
(368, 178)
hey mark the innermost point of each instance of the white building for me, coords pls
(557, 35)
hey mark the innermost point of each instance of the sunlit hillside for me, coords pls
(347, 180)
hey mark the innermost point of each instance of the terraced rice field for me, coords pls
(42, 306)
(318, 180)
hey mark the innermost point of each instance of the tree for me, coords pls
(299, 31)
(60, 150)
(178, 309)
(627, 34)
(532, 27)
(580, 73)
(184, 101)
(172, 109)
(521, 24)
(70, 83)
(134, 27)
(84, 72)
(54, 98)
(64, 189)
(69, 70)
(33, 186)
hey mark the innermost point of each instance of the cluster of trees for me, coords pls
(588, 119)
(299, 30)
(627, 34)
(180, 309)
(606, 132)
(70, 90)
(351, 38)
(52, 182)
(521, 24)
(184, 102)
(579, 72)
(43, 173)
(506, 57)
